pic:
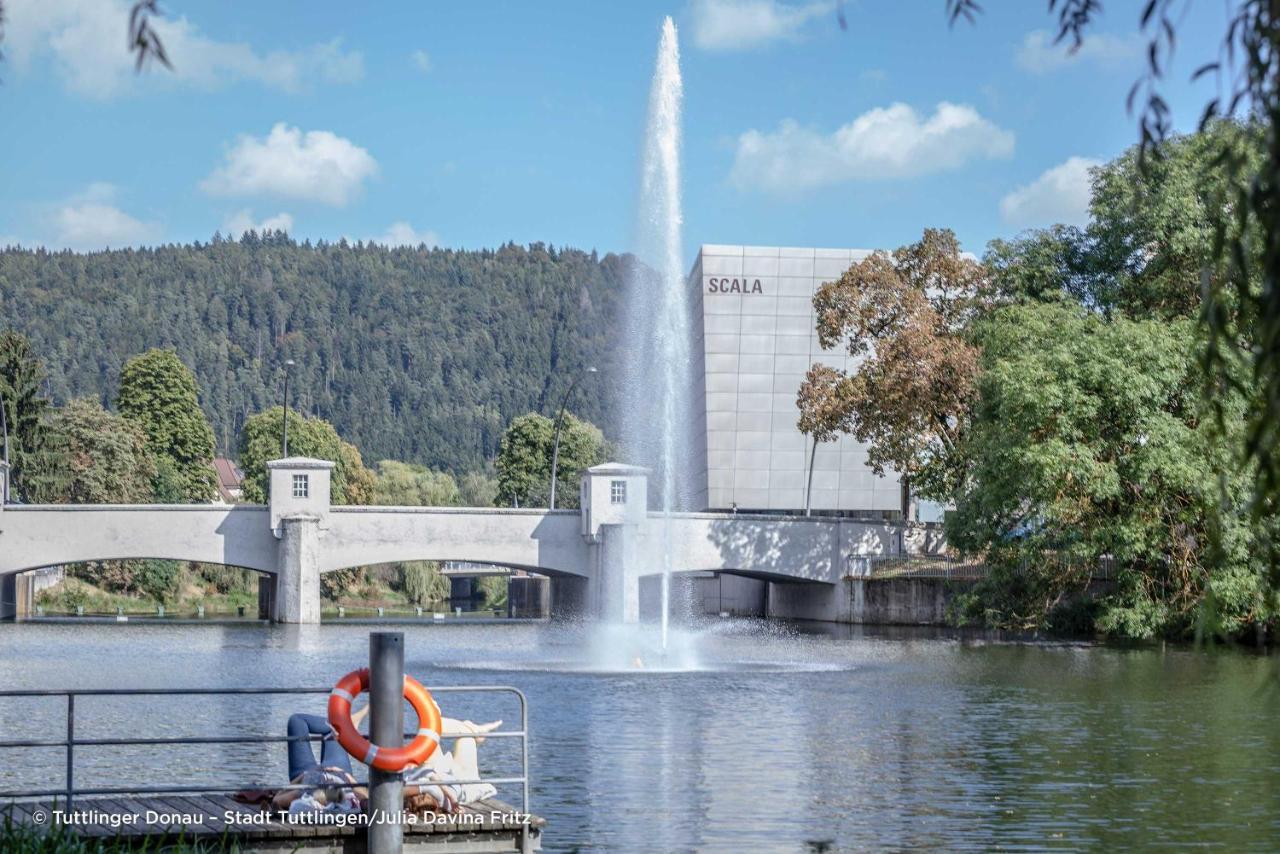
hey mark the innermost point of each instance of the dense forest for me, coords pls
(413, 354)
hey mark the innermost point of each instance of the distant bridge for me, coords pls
(595, 556)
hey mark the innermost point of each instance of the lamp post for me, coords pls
(284, 412)
(555, 447)
(808, 488)
(4, 429)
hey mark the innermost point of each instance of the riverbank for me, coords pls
(75, 597)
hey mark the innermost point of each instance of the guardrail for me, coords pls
(71, 741)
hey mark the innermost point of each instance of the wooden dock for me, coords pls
(218, 822)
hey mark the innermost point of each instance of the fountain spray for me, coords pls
(657, 406)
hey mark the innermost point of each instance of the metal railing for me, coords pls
(70, 791)
(964, 567)
(916, 566)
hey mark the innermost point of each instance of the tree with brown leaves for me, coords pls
(905, 314)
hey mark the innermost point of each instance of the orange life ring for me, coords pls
(384, 758)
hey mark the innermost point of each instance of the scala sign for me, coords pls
(734, 286)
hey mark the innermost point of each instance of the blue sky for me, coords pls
(471, 124)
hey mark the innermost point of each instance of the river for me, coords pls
(784, 738)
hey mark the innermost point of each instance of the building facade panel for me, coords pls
(754, 342)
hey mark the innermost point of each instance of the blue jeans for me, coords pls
(301, 754)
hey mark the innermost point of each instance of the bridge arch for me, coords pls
(540, 541)
(38, 536)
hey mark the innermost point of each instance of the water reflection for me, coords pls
(860, 738)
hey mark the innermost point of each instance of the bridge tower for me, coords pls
(615, 507)
(299, 501)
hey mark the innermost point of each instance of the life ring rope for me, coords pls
(382, 757)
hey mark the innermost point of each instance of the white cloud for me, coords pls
(421, 60)
(746, 24)
(242, 220)
(91, 220)
(887, 142)
(316, 166)
(1039, 54)
(1059, 195)
(403, 234)
(87, 42)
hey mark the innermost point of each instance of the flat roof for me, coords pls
(781, 251)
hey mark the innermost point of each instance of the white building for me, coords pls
(755, 338)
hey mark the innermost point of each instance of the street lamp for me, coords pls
(284, 412)
(555, 448)
(8, 472)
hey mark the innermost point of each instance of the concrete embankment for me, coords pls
(888, 601)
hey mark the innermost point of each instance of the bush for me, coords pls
(113, 576)
(1075, 615)
(160, 579)
(73, 595)
(226, 579)
(334, 585)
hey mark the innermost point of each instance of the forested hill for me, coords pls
(419, 355)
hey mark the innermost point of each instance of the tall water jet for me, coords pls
(656, 405)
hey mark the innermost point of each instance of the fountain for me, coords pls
(656, 406)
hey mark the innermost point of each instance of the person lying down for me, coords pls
(437, 785)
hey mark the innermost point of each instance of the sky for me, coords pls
(472, 124)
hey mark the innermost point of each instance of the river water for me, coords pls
(786, 738)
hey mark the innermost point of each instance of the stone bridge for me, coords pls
(595, 557)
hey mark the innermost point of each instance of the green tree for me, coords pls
(422, 582)
(260, 442)
(1240, 287)
(21, 378)
(524, 459)
(1047, 265)
(411, 485)
(478, 489)
(1155, 222)
(102, 457)
(507, 329)
(493, 590)
(159, 392)
(1089, 442)
(341, 582)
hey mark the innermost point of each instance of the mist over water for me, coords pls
(656, 398)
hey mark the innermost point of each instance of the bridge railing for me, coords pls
(965, 567)
(917, 566)
(70, 791)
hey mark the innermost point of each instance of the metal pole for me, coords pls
(526, 845)
(808, 490)
(555, 447)
(71, 737)
(4, 428)
(386, 729)
(284, 413)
